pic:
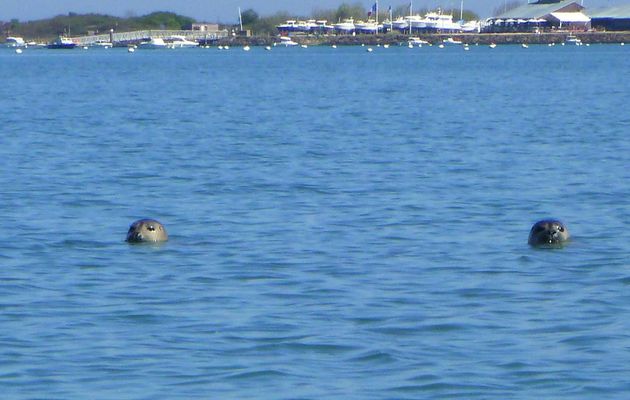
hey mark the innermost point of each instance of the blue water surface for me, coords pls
(343, 224)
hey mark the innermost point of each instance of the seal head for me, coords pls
(146, 230)
(548, 232)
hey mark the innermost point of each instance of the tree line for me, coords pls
(81, 24)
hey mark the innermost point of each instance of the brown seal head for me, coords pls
(146, 230)
(548, 232)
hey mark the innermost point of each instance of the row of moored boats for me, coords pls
(430, 22)
(63, 42)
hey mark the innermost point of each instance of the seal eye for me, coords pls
(561, 228)
(150, 228)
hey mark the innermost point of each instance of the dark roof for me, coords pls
(621, 12)
(538, 10)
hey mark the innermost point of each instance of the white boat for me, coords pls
(309, 26)
(432, 21)
(416, 41)
(14, 41)
(471, 26)
(451, 41)
(178, 42)
(286, 41)
(289, 26)
(346, 26)
(154, 43)
(441, 22)
(574, 40)
(103, 44)
(402, 23)
(369, 26)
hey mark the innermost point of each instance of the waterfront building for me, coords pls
(538, 15)
(205, 27)
(611, 18)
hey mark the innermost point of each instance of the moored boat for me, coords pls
(177, 42)
(574, 40)
(14, 41)
(62, 42)
(154, 43)
(286, 41)
(346, 26)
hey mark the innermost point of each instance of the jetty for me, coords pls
(124, 38)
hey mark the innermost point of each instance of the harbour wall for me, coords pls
(395, 39)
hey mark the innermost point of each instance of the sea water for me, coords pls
(343, 224)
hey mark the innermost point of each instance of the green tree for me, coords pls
(345, 10)
(267, 25)
(249, 17)
(14, 24)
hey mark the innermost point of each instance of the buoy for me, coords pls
(267, 48)
(304, 46)
(386, 46)
(246, 48)
(334, 46)
(18, 51)
(130, 49)
(441, 46)
(369, 49)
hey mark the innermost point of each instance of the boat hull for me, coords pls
(63, 46)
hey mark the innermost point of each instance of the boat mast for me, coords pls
(410, 14)
(240, 19)
(461, 11)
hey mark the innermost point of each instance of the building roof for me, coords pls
(538, 10)
(570, 16)
(621, 12)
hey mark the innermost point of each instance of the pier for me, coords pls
(138, 36)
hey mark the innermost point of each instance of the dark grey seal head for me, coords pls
(146, 230)
(548, 232)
